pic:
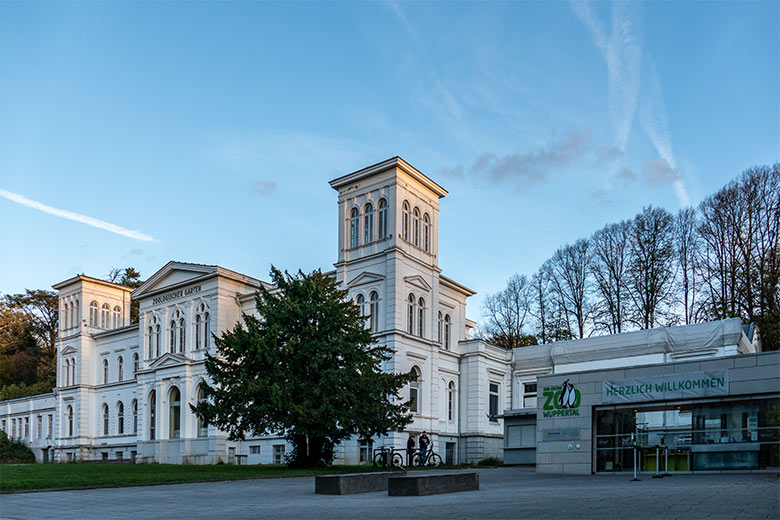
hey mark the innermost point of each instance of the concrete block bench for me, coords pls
(418, 485)
(349, 483)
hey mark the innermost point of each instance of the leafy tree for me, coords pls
(129, 277)
(29, 324)
(307, 367)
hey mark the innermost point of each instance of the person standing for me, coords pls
(424, 442)
(410, 450)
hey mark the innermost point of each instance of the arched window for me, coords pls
(174, 413)
(69, 415)
(105, 419)
(93, 314)
(203, 428)
(354, 227)
(105, 371)
(72, 371)
(135, 364)
(72, 315)
(134, 407)
(152, 414)
(421, 317)
(150, 342)
(172, 336)
(416, 227)
(382, 218)
(78, 315)
(206, 330)
(373, 309)
(64, 314)
(368, 224)
(426, 232)
(447, 332)
(120, 418)
(117, 317)
(157, 340)
(438, 329)
(410, 315)
(414, 391)
(451, 401)
(67, 372)
(120, 365)
(405, 221)
(105, 316)
(197, 332)
(360, 301)
(181, 335)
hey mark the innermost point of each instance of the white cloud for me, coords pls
(76, 217)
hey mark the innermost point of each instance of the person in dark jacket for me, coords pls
(409, 450)
(424, 442)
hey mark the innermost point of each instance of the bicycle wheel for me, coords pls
(417, 460)
(379, 459)
(398, 460)
(434, 460)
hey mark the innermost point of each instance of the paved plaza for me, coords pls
(505, 493)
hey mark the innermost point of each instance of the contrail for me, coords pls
(62, 213)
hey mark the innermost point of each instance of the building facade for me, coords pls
(702, 395)
(124, 389)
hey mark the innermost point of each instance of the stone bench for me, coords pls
(418, 485)
(353, 482)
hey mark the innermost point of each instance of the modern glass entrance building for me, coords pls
(710, 415)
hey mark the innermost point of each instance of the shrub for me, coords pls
(491, 461)
(12, 451)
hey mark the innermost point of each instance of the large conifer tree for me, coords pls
(306, 367)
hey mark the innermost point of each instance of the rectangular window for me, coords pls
(120, 455)
(3, 427)
(104, 455)
(366, 447)
(51, 426)
(254, 450)
(278, 453)
(39, 427)
(26, 427)
(133, 455)
(493, 411)
(69, 457)
(529, 395)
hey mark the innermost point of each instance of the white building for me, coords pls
(123, 389)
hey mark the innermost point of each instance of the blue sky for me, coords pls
(207, 132)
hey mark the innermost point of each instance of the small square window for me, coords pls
(254, 450)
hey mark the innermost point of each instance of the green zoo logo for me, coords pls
(561, 400)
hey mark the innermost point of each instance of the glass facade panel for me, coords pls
(699, 435)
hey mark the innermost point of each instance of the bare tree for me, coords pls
(506, 312)
(609, 268)
(740, 230)
(652, 266)
(569, 275)
(687, 248)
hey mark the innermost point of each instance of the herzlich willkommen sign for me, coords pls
(665, 387)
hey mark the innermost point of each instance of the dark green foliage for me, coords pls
(307, 367)
(15, 391)
(129, 277)
(490, 461)
(28, 335)
(14, 451)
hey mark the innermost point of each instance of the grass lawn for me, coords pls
(21, 477)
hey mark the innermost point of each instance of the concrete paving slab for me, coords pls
(505, 493)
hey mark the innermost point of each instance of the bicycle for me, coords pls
(431, 459)
(388, 456)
